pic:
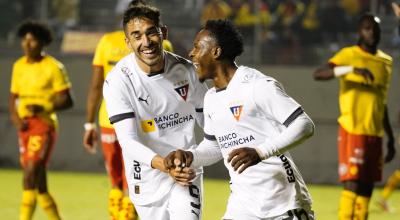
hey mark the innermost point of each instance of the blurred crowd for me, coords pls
(291, 25)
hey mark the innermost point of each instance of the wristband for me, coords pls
(89, 126)
(342, 70)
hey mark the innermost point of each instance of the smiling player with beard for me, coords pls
(153, 99)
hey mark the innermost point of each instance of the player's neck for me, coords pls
(224, 74)
(34, 58)
(368, 49)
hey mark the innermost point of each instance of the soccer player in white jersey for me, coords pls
(153, 99)
(251, 123)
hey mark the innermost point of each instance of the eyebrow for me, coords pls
(146, 31)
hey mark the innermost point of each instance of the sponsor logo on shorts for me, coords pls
(108, 138)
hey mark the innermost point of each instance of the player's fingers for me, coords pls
(232, 154)
(238, 164)
(188, 159)
(168, 160)
(244, 167)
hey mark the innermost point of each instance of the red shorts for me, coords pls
(37, 142)
(360, 157)
(113, 158)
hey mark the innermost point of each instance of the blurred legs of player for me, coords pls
(360, 165)
(119, 205)
(36, 145)
(390, 186)
(181, 203)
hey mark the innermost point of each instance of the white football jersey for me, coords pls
(252, 109)
(164, 107)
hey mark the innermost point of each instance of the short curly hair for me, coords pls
(39, 30)
(227, 37)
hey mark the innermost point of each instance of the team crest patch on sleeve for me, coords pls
(236, 111)
(148, 125)
(183, 91)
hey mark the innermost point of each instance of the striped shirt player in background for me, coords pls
(153, 99)
(251, 123)
(39, 88)
(109, 51)
(364, 74)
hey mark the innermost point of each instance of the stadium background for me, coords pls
(288, 53)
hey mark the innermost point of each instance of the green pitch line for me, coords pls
(83, 196)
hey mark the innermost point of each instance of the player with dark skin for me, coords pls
(211, 64)
(35, 175)
(369, 37)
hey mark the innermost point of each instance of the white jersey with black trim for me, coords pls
(164, 108)
(250, 110)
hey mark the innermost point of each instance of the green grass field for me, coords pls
(83, 196)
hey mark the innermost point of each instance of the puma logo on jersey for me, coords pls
(144, 100)
(183, 91)
(236, 111)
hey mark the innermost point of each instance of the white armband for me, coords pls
(342, 70)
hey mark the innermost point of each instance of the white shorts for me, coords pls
(235, 211)
(181, 203)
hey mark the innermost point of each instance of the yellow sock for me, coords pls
(114, 202)
(391, 185)
(361, 208)
(28, 204)
(346, 205)
(128, 211)
(49, 206)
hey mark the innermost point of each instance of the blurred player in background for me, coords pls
(394, 179)
(364, 74)
(39, 88)
(153, 99)
(109, 51)
(251, 123)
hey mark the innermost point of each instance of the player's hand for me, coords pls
(90, 140)
(396, 9)
(182, 176)
(178, 158)
(35, 109)
(391, 150)
(242, 158)
(364, 72)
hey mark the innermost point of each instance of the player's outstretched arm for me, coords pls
(324, 73)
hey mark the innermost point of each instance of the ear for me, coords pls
(164, 32)
(128, 43)
(216, 52)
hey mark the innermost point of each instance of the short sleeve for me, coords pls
(60, 78)
(116, 96)
(274, 102)
(14, 80)
(342, 58)
(98, 59)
